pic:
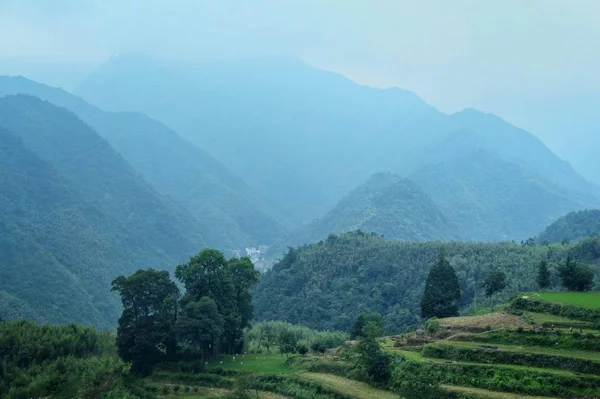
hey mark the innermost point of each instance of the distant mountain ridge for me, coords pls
(305, 137)
(232, 214)
(387, 205)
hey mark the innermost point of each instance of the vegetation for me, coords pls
(75, 216)
(62, 361)
(494, 282)
(543, 276)
(442, 291)
(385, 204)
(209, 318)
(575, 276)
(572, 227)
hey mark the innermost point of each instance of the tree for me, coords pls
(207, 275)
(145, 334)
(575, 276)
(543, 276)
(494, 282)
(302, 349)
(371, 358)
(442, 291)
(199, 327)
(287, 342)
(362, 320)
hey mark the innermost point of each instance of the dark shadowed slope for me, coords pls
(231, 213)
(97, 218)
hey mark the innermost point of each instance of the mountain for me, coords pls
(387, 205)
(75, 215)
(573, 226)
(232, 214)
(306, 137)
(326, 285)
(489, 198)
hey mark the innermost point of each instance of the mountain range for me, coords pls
(305, 137)
(235, 154)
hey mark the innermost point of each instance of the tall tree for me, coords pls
(145, 334)
(371, 358)
(543, 275)
(199, 327)
(494, 282)
(243, 277)
(575, 276)
(442, 291)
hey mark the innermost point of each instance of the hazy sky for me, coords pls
(500, 55)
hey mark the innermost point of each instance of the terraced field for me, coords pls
(589, 300)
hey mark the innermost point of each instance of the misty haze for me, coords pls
(299, 199)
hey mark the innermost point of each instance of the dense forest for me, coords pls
(74, 215)
(327, 284)
(573, 227)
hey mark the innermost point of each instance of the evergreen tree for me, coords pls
(441, 290)
(145, 335)
(543, 276)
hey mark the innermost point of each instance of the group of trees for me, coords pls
(574, 276)
(328, 284)
(159, 324)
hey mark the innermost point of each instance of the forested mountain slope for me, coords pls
(489, 198)
(328, 284)
(573, 226)
(387, 205)
(231, 213)
(306, 137)
(76, 215)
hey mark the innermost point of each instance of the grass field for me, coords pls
(482, 393)
(261, 363)
(590, 300)
(350, 388)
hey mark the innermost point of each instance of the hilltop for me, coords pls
(572, 227)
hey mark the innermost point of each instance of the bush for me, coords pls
(302, 350)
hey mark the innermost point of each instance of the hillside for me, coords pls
(385, 204)
(306, 137)
(489, 198)
(573, 226)
(231, 213)
(76, 215)
(326, 285)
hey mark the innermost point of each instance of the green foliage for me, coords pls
(266, 335)
(431, 325)
(540, 339)
(59, 361)
(327, 285)
(371, 358)
(361, 322)
(543, 276)
(209, 275)
(494, 282)
(573, 226)
(287, 342)
(199, 327)
(526, 302)
(575, 276)
(442, 291)
(146, 335)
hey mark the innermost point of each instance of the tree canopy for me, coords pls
(442, 291)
